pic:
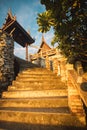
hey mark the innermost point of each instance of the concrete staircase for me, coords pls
(37, 100)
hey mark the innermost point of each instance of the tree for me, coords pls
(68, 18)
(45, 21)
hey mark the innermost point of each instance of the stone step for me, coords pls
(37, 75)
(40, 117)
(40, 93)
(37, 82)
(37, 78)
(35, 102)
(40, 109)
(23, 86)
(36, 72)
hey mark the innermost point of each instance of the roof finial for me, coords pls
(10, 14)
(9, 11)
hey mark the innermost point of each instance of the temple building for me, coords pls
(10, 65)
(46, 56)
(12, 27)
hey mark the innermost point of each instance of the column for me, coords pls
(26, 52)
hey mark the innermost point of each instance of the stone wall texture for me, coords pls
(6, 60)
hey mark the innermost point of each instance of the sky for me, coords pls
(26, 13)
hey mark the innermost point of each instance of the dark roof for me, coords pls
(18, 33)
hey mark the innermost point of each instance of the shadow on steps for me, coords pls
(20, 65)
(23, 64)
(21, 126)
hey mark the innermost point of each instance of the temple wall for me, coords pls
(57, 63)
(6, 60)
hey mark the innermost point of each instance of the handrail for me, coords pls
(73, 77)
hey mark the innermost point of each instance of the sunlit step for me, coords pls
(36, 72)
(41, 118)
(28, 94)
(37, 78)
(35, 102)
(23, 86)
(37, 75)
(36, 82)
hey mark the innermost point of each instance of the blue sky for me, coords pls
(26, 12)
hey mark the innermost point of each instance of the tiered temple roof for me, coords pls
(44, 46)
(18, 33)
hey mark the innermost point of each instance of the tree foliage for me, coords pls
(69, 21)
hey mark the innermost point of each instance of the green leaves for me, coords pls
(45, 21)
(69, 21)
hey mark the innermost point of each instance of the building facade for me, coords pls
(47, 57)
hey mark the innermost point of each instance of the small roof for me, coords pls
(44, 46)
(18, 33)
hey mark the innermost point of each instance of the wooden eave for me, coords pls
(17, 31)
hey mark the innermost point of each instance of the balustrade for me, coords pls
(43, 54)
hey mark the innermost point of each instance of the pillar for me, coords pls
(6, 60)
(47, 63)
(26, 52)
(63, 69)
